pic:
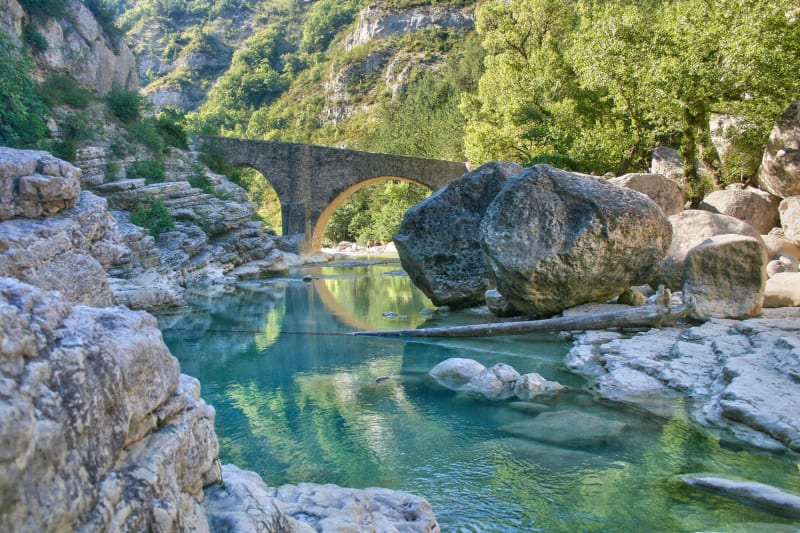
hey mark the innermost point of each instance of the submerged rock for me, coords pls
(759, 495)
(573, 429)
(554, 239)
(500, 382)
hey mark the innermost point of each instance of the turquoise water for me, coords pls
(298, 399)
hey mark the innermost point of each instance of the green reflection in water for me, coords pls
(298, 399)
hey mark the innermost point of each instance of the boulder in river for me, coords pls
(780, 167)
(662, 190)
(747, 205)
(790, 218)
(554, 239)
(439, 240)
(690, 228)
(571, 429)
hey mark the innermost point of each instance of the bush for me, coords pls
(125, 105)
(199, 180)
(21, 111)
(63, 90)
(151, 171)
(154, 216)
(145, 132)
(170, 125)
(45, 8)
(33, 38)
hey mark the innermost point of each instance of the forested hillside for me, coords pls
(589, 85)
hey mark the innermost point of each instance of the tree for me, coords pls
(601, 82)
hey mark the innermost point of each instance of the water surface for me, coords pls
(298, 399)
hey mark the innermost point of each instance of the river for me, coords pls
(300, 400)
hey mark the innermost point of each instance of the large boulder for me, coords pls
(783, 290)
(667, 162)
(98, 430)
(725, 277)
(780, 167)
(744, 204)
(554, 239)
(34, 183)
(790, 218)
(662, 190)
(68, 252)
(439, 238)
(690, 228)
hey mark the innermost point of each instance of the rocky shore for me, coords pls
(99, 430)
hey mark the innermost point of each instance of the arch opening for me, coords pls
(384, 208)
(261, 192)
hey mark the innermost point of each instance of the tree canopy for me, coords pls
(596, 84)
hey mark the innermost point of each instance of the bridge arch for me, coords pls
(309, 179)
(327, 213)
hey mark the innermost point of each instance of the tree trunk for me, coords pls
(654, 315)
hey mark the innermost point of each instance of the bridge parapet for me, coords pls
(311, 181)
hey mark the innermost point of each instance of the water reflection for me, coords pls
(298, 399)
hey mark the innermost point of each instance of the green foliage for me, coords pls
(602, 83)
(112, 170)
(45, 8)
(32, 37)
(324, 20)
(152, 171)
(154, 216)
(105, 16)
(373, 213)
(199, 180)
(21, 111)
(63, 90)
(171, 126)
(126, 105)
(145, 131)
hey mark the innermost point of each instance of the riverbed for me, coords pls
(299, 399)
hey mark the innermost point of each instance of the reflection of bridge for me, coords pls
(312, 181)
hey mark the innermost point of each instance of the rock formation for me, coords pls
(663, 191)
(554, 239)
(439, 238)
(690, 228)
(745, 204)
(780, 167)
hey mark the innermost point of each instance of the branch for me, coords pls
(654, 315)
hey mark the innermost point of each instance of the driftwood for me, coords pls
(653, 315)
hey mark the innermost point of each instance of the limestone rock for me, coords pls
(455, 372)
(741, 376)
(780, 167)
(34, 184)
(555, 239)
(498, 305)
(572, 429)
(92, 401)
(662, 190)
(777, 246)
(783, 263)
(379, 22)
(78, 46)
(667, 162)
(744, 204)
(690, 228)
(245, 504)
(438, 239)
(790, 218)
(147, 291)
(758, 495)
(333, 508)
(531, 385)
(725, 276)
(783, 290)
(68, 252)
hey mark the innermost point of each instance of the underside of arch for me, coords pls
(322, 222)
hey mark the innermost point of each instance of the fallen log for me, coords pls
(654, 315)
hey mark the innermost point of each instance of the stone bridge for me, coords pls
(312, 181)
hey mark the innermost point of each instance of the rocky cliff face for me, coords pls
(77, 46)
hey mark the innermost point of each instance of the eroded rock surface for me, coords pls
(554, 239)
(741, 376)
(780, 167)
(439, 238)
(662, 190)
(91, 400)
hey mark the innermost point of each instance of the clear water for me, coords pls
(298, 399)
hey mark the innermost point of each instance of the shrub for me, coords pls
(63, 90)
(125, 105)
(33, 38)
(151, 171)
(21, 111)
(145, 132)
(199, 180)
(170, 125)
(45, 8)
(154, 216)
